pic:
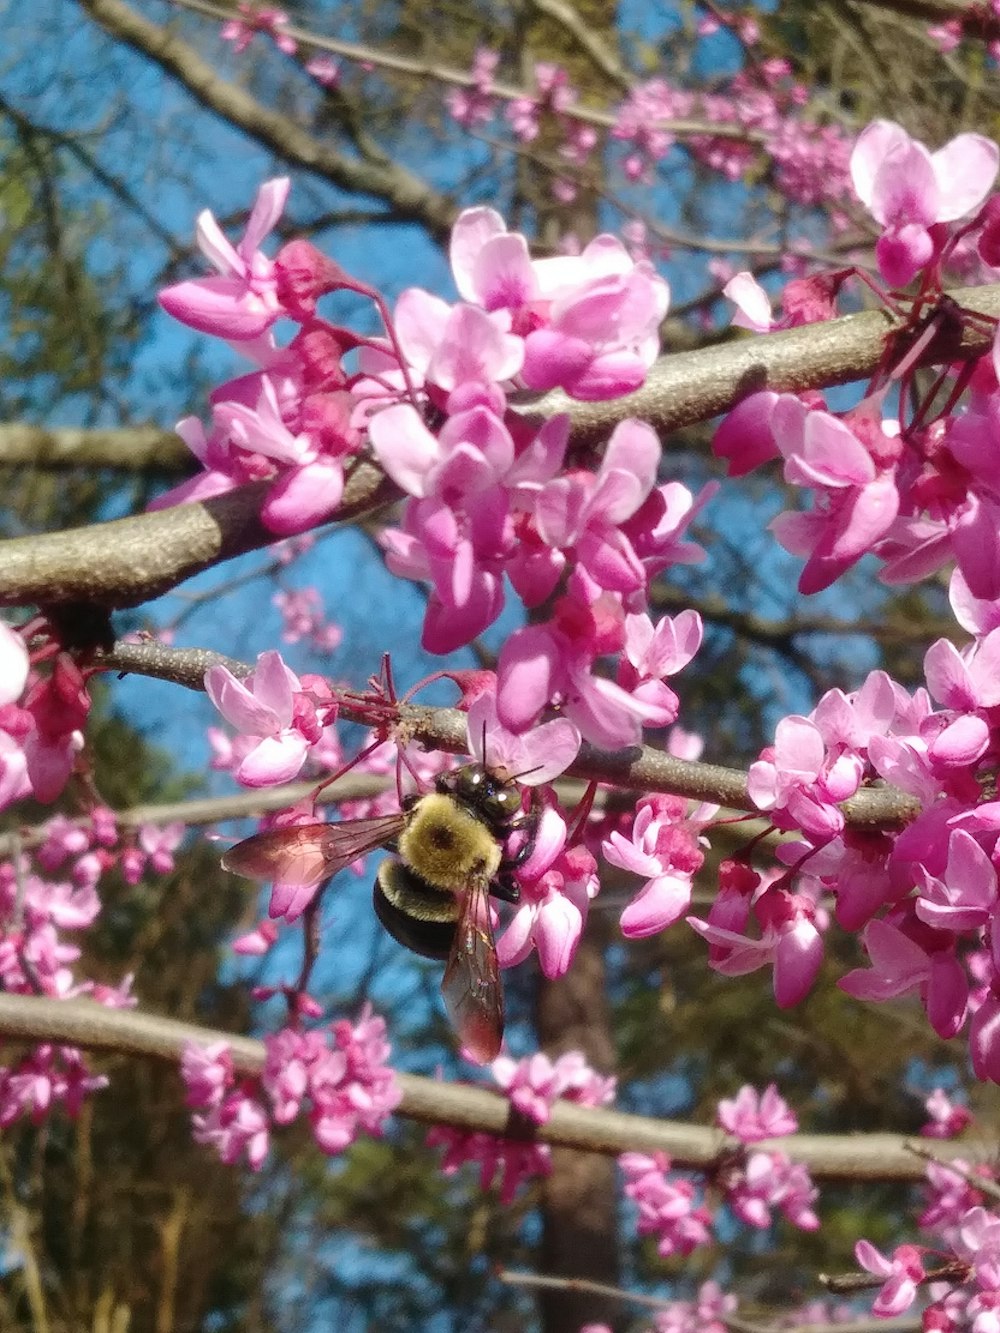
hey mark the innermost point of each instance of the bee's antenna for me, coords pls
(484, 742)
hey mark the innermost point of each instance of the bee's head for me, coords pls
(496, 799)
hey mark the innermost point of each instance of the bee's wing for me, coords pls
(304, 854)
(472, 990)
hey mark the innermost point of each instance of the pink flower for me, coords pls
(668, 1207)
(908, 190)
(902, 1273)
(947, 1119)
(857, 498)
(557, 886)
(241, 303)
(591, 320)
(665, 850)
(263, 708)
(750, 1116)
(789, 940)
(899, 966)
(207, 1072)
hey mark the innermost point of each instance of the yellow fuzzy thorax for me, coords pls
(446, 846)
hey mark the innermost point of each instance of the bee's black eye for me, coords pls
(502, 804)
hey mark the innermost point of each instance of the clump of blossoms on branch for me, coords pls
(338, 1075)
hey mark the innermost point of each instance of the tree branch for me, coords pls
(131, 448)
(869, 1157)
(128, 561)
(640, 768)
(407, 195)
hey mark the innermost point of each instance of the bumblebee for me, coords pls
(433, 896)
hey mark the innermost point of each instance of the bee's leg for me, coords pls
(528, 821)
(505, 887)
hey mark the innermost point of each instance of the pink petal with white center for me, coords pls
(267, 209)
(237, 704)
(543, 458)
(797, 960)
(609, 558)
(966, 169)
(561, 509)
(978, 615)
(274, 685)
(514, 944)
(303, 497)
(947, 676)
(875, 142)
(14, 665)
(962, 743)
(485, 432)
(557, 933)
(219, 306)
(527, 670)
(275, 759)
(420, 321)
(819, 449)
(502, 275)
(975, 539)
(753, 305)
(216, 246)
(906, 188)
(623, 852)
(405, 447)
(474, 349)
(634, 450)
(473, 228)
(984, 1040)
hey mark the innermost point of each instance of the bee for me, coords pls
(433, 896)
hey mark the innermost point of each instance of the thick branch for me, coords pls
(641, 768)
(130, 560)
(405, 194)
(133, 448)
(828, 1156)
(126, 562)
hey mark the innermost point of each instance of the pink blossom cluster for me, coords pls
(253, 19)
(709, 1312)
(671, 1206)
(281, 720)
(37, 959)
(41, 717)
(339, 1075)
(533, 1085)
(303, 617)
(92, 847)
(758, 1182)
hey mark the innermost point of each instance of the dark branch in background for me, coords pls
(126, 562)
(871, 1157)
(976, 19)
(407, 195)
(780, 634)
(641, 768)
(374, 57)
